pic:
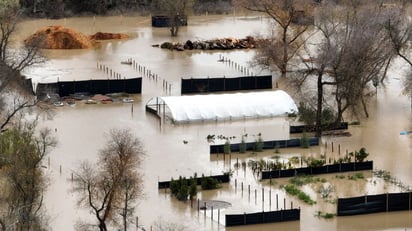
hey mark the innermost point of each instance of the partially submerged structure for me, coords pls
(185, 109)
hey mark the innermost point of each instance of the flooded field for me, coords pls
(182, 150)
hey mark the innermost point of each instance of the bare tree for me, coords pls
(175, 10)
(112, 185)
(21, 198)
(12, 61)
(352, 54)
(399, 29)
(287, 15)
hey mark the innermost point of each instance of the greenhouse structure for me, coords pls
(186, 109)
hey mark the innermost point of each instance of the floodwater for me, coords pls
(82, 131)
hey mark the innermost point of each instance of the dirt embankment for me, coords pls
(59, 37)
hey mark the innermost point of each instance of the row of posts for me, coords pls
(235, 65)
(108, 71)
(325, 151)
(146, 72)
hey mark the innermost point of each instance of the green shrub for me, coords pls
(209, 183)
(226, 147)
(180, 188)
(242, 145)
(304, 141)
(259, 143)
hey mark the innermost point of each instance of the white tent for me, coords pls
(227, 106)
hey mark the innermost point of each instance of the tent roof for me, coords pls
(229, 106)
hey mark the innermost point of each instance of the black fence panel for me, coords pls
(225, 84)
(271, 174)
(320, 170)
(366, 165)
(247, 83)
(350, 206)
(163, 21)
(220, 178)
(304, 171)
(333, 168)
(347, 167)
(287, 173)
(312, 128)
(375, 203)
(262, 217)
(264, 82)
(66, 88)
(291, 215)
(235, 219)
(396, 201)
(254, 218)
(217, 84)
(271, 217)
(231, 84)
(251, 146)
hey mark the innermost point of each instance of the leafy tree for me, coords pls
(112, 185)
(360, 155)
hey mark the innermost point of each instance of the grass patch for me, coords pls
(325, 215)
(294, 191)
(356, 176)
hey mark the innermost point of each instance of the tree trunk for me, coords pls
(365, 108)
(102, 226)
(284, 64)
(318, 126)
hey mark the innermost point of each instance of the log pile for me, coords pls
(213, 44)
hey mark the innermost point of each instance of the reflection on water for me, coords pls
(82, 130)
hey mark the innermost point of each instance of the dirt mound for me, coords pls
(107, 36)
(59, 37)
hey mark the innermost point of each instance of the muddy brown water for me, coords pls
(82, 130)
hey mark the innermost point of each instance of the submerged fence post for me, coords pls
(218, 216)
(277, 202)
(198, 206)
(270, 199)
(249, 191)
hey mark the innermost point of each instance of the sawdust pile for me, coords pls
(59, 37)
(107, 36)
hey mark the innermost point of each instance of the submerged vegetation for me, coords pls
(294, 191)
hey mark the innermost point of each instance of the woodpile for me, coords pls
(213, 44)
(59, 37)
